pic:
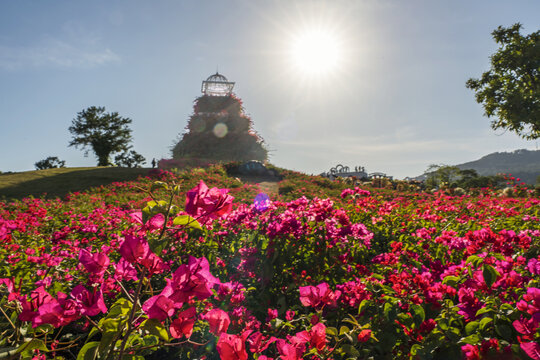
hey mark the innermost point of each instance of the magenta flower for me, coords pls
(38, 297)
(208, 203)
(134, 249)
(218, 320)
(183, 325)
(532, 349)
(159, 307)
(125, 271)
(318, 296)
(94, 263)
(91, 303)
(193, 279)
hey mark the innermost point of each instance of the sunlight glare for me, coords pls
(316, 52)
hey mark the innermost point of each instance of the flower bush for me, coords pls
(169, 267)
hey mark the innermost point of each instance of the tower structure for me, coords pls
(218, 129)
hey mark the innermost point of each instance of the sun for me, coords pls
(316, 52)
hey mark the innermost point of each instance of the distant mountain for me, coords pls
(523, 164)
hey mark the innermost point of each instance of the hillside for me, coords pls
(61, 181)
(524, 164)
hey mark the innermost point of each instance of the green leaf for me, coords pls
(484, 310)
(484, 322)
(471, 327)
(363, 306)
(490, 274)
(504, 331)
(28, 347)
(418, 314)
(88, 351)
(343, 330)
(186, 220)
(450, 280)
(332, 331)
(350, 350)
(154, 327)
(389, 311)
(471, 339)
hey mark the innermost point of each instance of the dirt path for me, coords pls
(268, 184)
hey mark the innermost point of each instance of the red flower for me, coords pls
(183, 325)
(218, 320)
(364, 335)
(231, 347)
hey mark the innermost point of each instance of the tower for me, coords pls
(218, 129)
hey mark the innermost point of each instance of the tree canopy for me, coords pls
(103, 133)
(510, 90)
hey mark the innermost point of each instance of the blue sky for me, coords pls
(395, 103)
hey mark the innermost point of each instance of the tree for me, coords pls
(105, 133)
(510, 90)
(129, 159)
(50, 163)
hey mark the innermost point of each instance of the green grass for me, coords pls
(52, 183)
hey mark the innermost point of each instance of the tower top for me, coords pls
(217, 85)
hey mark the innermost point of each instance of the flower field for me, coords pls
(197, 265)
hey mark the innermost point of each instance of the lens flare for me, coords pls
(220, 130)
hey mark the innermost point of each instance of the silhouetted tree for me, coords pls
(129, 159)
(51, 162)
(510, 90)
(105, 133)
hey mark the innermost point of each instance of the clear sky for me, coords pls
(384, 86)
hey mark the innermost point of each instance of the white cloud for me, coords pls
(51, 52)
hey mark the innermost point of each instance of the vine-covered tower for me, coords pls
(219, 130)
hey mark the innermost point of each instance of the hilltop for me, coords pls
(522, 163)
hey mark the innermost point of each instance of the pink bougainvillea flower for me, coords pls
(91, 303)
(318, 296)
(133, 249)
(95, 263)
(364, 335)
(57, 312)
(318, 336)
(156, 222)
(183, 325)
(231, 347)
(153, 263)
(159, 307)
(193, 279)
(38, 297)
(470, 352)
(532, 349)
(125, 271)
(208, 203)
(258, 342)
(288, 351)
(218, 320)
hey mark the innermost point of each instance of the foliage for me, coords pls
(167, 267)
(130, 159)
(510, 90)
(219, 130)
(444, 176)
(105, 133)
(51, 162)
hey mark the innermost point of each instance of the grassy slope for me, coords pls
(59, 182)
